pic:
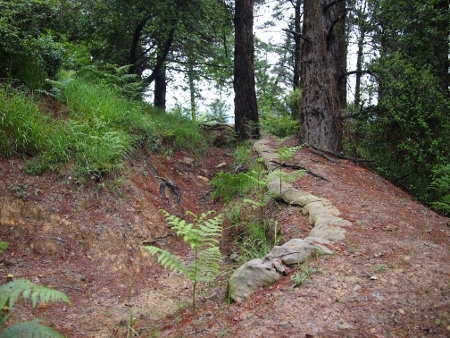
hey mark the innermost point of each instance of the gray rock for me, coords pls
(330, 232)
(252, 275)
(297, 251)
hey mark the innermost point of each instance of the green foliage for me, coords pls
(243, 153)
(408, 132)
(300, 278)
(258, 238)
(228, 186)
(9, 294)
(23, 129)
(286, 153)
(97, 127)
(31, 329)
(281, 126)
(29, 52)
(202, 237)
(3, 246)
(440, 186)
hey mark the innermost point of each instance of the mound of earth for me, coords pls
(389, 277)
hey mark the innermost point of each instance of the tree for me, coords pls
(245, 105)
(29, 50)
(407, 130)
(153, 37)
(323, 74)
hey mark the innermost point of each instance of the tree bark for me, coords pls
(159, 99)
(323, 74)
(245, 105)
(298, 44)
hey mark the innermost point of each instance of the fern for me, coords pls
(32, 329)
(202, 236)
(10, 292)
(286, 153)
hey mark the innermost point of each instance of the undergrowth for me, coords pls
(248, 201)
(94, 125)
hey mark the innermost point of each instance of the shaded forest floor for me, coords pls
(389, 278)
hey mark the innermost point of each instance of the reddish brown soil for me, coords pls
(389, 278)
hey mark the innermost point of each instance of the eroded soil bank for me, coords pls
(390, 277)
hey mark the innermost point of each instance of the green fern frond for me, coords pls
(284, 176)
(32, 329)
(167, 260)
(202, 237)
(10, 292)
(209, 264)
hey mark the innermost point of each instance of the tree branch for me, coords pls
(290, 31)
(345, 157)
(330, 30)
(332, 3)
(296, 166)
(162, 58)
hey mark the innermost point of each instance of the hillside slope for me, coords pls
(390, 277)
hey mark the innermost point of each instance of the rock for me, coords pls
(189, 161)
(325, 219)
(221, 165)
(297, 251)
(203, 178)
(330, 232)
(251, 276)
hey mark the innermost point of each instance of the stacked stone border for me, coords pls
(327, 227)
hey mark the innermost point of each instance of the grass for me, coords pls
(101, 129)
(300, 278)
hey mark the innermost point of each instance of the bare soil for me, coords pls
(389, 278)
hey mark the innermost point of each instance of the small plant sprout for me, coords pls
(300, 278)
(202, 235)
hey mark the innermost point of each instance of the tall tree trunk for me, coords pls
(298, 44)
(191, 79)
(323, 74)
(362, 25)
(245, 105)
(159, 99)
(359, 71)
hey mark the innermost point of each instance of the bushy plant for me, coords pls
(407, 132)
(29, 52)
(202, 235)
(440, 186)
(258, 238)
(23, 129)
(229, 186)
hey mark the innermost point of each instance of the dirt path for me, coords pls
(389, 278)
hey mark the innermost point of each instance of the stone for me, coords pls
(297, 251)
(330, 232)
(251, 276)
(325, 219)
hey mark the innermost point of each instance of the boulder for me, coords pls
(297, 251)
(252, 275)
(329, 232)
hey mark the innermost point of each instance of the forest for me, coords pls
(392, 108)
(89, 88)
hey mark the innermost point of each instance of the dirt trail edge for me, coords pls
(388, 276)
